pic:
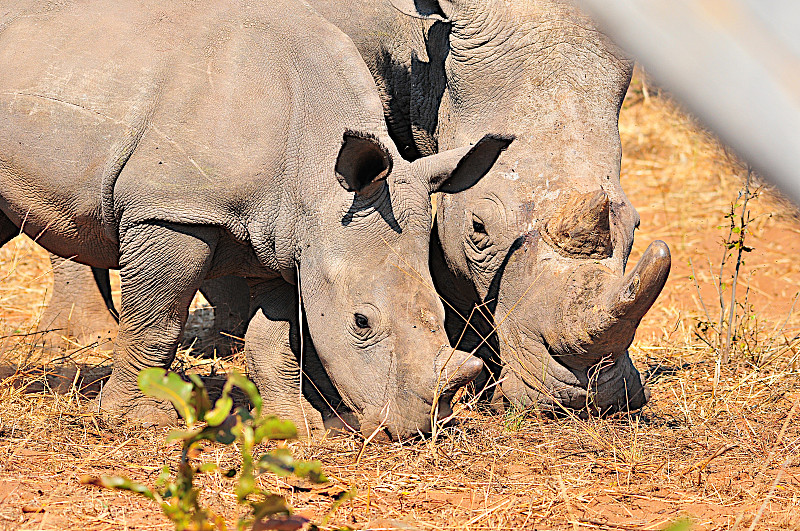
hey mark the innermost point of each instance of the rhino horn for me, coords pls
(460, 368)
(628, 300)
(633, 296)
(582, 226)
(601, 310)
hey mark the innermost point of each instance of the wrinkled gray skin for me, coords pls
(539, 246)
(179, 144)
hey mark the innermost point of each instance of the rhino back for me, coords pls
(220, 114)
(389, 43)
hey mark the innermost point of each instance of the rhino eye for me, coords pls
(361, 321)
(478, 226)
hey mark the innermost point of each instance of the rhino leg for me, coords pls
(230, 297)
(272, 349)
(80, 307)
(162, 266)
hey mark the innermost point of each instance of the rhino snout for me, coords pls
(410, 413)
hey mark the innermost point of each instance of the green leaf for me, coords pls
(271, 427)
(158, 383)
(221, 410)
(200, 399)
(182, 435)
(164, 476)
(244, 414)
(241, 381)
(223, 434)
(311, 470)
(245, 486)
(207, 467)
(683, 524)
(278, 461)
(119, 483)
(281, 462)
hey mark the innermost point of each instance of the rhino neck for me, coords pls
(544, 59)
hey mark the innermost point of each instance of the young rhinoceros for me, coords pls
(180, 141)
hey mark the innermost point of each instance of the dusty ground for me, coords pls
(728, 459)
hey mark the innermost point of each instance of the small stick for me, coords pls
(779, 439)
(703, 464)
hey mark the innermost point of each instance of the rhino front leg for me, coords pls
(272, 349)
(161, 268)
(80, 306)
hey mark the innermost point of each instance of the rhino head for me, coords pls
(541, 244)
(376, 320)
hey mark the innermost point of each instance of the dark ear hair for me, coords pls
(362, 160)
(457, 169)
(429, 9)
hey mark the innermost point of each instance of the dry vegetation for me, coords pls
(727, 460)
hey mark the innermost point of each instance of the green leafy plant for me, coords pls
(734, 247)
(176, 493)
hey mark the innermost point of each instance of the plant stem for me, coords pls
(743, 228)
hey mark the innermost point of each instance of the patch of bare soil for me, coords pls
(727, 458)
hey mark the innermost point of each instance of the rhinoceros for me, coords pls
(178, 143)
(537, 251)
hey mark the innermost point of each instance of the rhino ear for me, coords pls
(362, 161)
(429, 9)
(457, 169)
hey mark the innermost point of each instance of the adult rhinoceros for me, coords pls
(179, 143)
(540, 246)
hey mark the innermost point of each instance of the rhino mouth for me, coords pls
(535, 376)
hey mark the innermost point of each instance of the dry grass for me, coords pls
(720, 459)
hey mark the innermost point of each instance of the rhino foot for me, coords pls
(135, 407)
